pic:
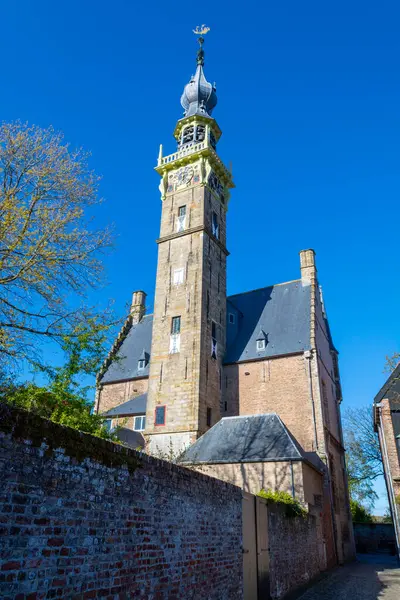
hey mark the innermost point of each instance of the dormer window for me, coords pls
(260, 345)
(143, 360)
(231, 318)
(261, 342)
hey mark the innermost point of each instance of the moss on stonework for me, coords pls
(24, 425)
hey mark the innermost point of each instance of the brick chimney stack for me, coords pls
(138, 306)
(307, 266)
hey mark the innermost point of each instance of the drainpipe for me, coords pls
(391, 494)
(292, 475)
(308, 357)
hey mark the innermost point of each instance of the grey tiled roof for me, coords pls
(134, 406)
(256, 438)
(125, 364)
(391, 388)
(281, 311)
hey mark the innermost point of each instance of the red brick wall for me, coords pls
(114, 394)
(84, 518)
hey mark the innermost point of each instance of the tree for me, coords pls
(64, 399)
(364, 460)
(359, 513)
(49, 256)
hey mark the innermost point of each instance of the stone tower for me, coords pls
(188, 341)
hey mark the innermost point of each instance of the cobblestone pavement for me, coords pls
(372, 577)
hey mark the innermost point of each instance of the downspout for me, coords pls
(308, 356)
(389, 483)
(292, 475)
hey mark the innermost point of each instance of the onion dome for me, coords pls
(199, 97)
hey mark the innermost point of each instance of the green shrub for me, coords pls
(359, 513)
(292, 507)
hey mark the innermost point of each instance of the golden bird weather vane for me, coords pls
(201, 30)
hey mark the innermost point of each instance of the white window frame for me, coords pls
(181, 220)
(141, 364)
(260, 345)
(139, 419)
(179, 275)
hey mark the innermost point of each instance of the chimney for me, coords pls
(138, 306)
(307, 266)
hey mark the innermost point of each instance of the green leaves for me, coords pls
(64, 400)
(50, 254)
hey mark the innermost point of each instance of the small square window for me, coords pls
(141, 364)
(231, 318)
(160, 415)
(139, 423)
(178, 276)
(209, 415)
(260, 345)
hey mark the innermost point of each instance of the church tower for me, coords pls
(189, 326)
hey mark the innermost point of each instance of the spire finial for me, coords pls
(201, 30)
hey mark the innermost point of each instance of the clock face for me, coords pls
(184, 175)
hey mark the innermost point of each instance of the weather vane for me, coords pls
(201, 30)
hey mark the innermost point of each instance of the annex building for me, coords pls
(245, 387)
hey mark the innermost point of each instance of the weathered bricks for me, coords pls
(104, 528)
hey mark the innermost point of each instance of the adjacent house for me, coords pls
(387, 424)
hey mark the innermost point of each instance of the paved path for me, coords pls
(372, 577)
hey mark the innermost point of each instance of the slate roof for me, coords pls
(134, 406)
(255, 438)
(125, 364)
(391, 388)
(281, 311)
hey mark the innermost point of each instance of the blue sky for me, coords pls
(308, 101)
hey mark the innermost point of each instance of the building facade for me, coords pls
(203, 356)
(387, 425)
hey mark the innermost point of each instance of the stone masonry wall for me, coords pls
(84, 518)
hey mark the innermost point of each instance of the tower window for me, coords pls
(159, 418)
(176, 325)
(209, 415)
(213, 339)
(181, 218)
(260, 345)
(187, 135)
(175, 338)
(225, 406)
(200, 133)
(139, 423)
(178, 276)
(215, 225)
(231, 318)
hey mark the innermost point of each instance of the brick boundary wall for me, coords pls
(81, 517)
(295, 548)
